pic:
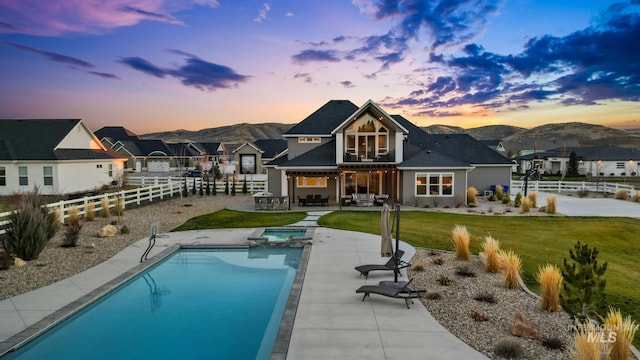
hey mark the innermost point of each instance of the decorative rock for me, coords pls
(19, 262)
(523, 327)
(107, 231)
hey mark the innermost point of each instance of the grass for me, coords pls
(537, 239)
(237, 219)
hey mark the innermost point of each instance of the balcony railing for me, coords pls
(350, 157)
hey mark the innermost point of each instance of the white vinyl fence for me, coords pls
(560, 186)
(150, 190)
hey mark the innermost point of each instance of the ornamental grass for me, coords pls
(490, 248)
(551, 205)
(105, 212)
(550, 281)
(533, 197)
(461, 238)
(624, 330)
(621, 194)
(89, 211)
(511, 266)
(472, 195)
(586, 342)
(526, 205)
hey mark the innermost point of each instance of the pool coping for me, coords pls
(281, 344)
(257, 235)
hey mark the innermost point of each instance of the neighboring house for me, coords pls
(605, 160)
(342, 149)
(59, 156)
(272, 149)
(495, 145)
(142, 155)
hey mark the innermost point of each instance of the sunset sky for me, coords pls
(155, 65)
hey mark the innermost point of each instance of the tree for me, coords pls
(185, 192)
(215, 187)
(233, 186)
(572, 166)
(582, 292)
(201, 191)
(244, 185)
(226, 186)
(193, 187)
(208, 190)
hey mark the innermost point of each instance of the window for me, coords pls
(434, 184)
(308, 140)
(312, 182)
(620, 165)
(3, 176)
(367, 138)
(23, 176)
(99, 166)
(110, 170)
(48, 175)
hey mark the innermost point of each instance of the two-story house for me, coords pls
(342, 149)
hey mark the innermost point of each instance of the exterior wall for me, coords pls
(80, 138)
(329, 191)
(408, 189)
(606, 168)
(251, 151)
(482, 178)
(274, 181)
(68, 177)
(296, 148)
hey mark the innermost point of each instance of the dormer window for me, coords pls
(309, 140)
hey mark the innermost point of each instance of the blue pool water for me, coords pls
(283, 234)
(197, 304)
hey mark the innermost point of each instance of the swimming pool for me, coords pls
(213, 304)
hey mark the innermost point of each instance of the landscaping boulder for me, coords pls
(107, 231)
(523, 327)
(19, 262)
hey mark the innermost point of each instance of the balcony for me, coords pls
(351, 158)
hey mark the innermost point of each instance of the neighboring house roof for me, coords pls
(271, 147)
(182, 150)
(210, 148)
(140, 148)
(459, 146)
(324, 120)
(250, 145)
(116, 133)
(603, 152)
(39, 139)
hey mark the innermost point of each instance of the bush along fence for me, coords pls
(560, 186)
(151, 189)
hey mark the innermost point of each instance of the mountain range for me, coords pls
(513, 138)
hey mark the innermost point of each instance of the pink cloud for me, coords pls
(58, 17)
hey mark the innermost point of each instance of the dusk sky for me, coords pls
(155, 65)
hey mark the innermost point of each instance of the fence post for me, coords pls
(155, 180)
(559, 186)
(138, 196)
(122, 198)
(61, 207)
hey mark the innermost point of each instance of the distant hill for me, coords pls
(239, 133)
(513, 138)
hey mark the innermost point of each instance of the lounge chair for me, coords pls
(406, 292)
(389, 266)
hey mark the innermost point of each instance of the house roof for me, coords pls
(271, 147)
(181, 149)
(603, 152)
(325, 119)
(252, 145)
(116, 133)
(321, 156)
(459, 146)
(146, 147)
(37, 139)
(377, 111)
(416, 157)
(210, 148)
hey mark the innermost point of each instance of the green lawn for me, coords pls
(538, 240)
(237, 219)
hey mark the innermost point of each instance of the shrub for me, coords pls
(208, 188)
(89, 211)
(526, 205)
(432, 295)
(124, 229)
(490, 247)
(508, 348)
(550, 281)
(418, 266)
(438, 261)
(533, 198)
(233, 187)
(444, 280)
(553, 343)
(472, 195)
(621, 194)
(226, 187)
(30, 227)
(582, 193)
(105, 212)
(118, 206)
(624, 330)
(465, 271)
(460, 237)
(511, 265)
(72, 229)
(506, 199)
(585, 342)
(636, 196)
(583, 287)
(518, 200)
(478, 316)
(551, 205)
(486, 297)
(201, 190)
(499, 192)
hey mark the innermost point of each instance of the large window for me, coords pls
(247, 163)
(47, 171)
(434, 184)
(312, 182)
(309, 140)
(366, 138)
(23, 176)
(3, 176)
